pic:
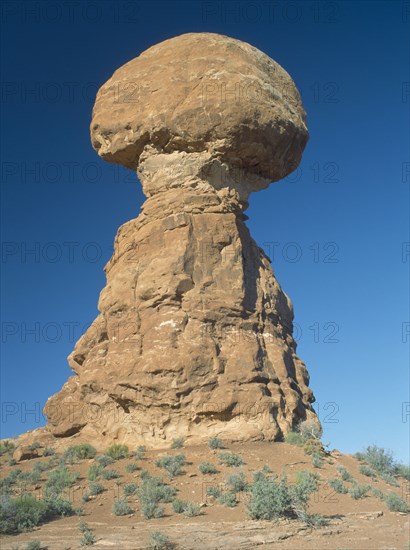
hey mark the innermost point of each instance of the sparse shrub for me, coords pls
(88, 538)
(344, 474)
(207, 468)
(49, 451)
(12, 462)
(34, 545)
(403, 470)
(131, 467)
(395, 503)
(191, 510)
(160, 541)
(309, 429)
(389, 478)
(230, 459)
(94, 472)
(104, 460)
(338, 485)
(178, 505)
(315, 520)
(121, 507)
(151, 492)
(306, 483)
(178, 443)
(118, 451)
(172, 464)
(358, 491)
(237, 483)
(215, 443)
(139, 454)
(378, 458)
(366, 471)
(6, 446)
(34, 446)
(110, 474)
(95, 488)
(69, 456)
(130, 489)
(314, 447)
(213, 492)
(228, 499)
(58, 480)
(377, 493)
(317, 461)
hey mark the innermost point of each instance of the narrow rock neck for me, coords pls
(195, 173)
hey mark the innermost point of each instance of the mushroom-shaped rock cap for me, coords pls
(220, 99)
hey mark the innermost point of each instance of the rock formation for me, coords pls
(194, 337)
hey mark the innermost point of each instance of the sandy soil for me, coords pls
(363, 524)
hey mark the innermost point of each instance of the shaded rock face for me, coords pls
(194, 337)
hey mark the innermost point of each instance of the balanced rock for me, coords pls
(194, 337)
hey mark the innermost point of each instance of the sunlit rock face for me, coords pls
(194, 336)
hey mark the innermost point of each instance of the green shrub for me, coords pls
(377, 493)
(294, 438)
(25, 512)
(172, 464)
(230, 459)
(215, 443)
(367, 471)
(378, 458)
(151, 492)
(237, 483)
(88, 537)
(207, 468)
(160, 541)
(395, 503)
(403, 470)
(317, 461)
(49, 451)
(130, 489)
(131, 467)
(6, 446)
(94, 472)
(117, 451)
(213, 492)
(12, 462)
(179, 505)
(389, 478)
(344, 474)
(84, 450)
(178, 443)
(305, 484)
(121, 507)
(58, 480)
(338, 485)
(269, 499)
(95, 488)
(192, 510)
(228, 499)
(104, 460)
(359, 491)
(34, 545)
(34, 446)
(276, 498)
(110, 474)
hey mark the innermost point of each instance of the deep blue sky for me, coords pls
(340, 223)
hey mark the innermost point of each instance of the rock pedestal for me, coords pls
(194, 337)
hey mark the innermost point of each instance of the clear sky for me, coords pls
(337, 229)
